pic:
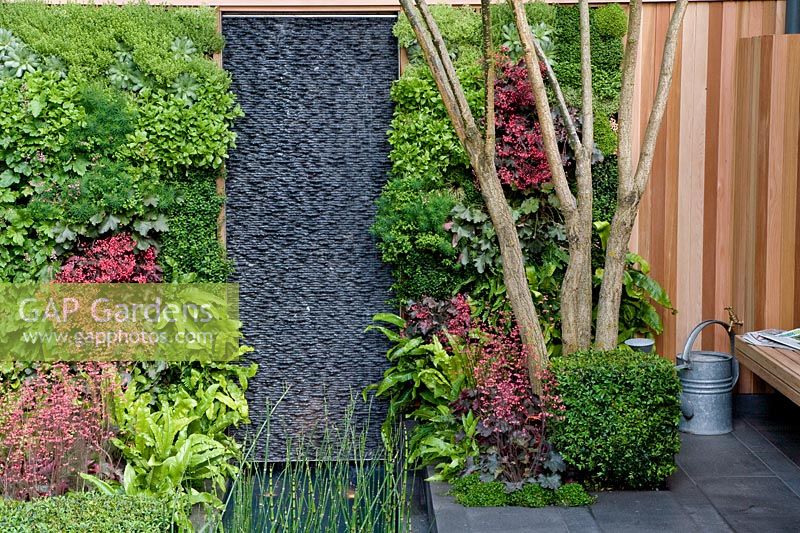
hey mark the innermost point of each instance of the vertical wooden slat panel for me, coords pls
(664, 214)
(766, 227)
(742, 196)
(711, 167)
(793, 174)
(690, 224)
(723, 269)
(786, 62)
(774, 235)
(689, 260)
(780, 16)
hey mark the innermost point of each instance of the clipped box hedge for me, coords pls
(86, 511)
(620, 429)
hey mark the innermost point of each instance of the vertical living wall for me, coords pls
(432, 227)
(115, 123)
(114, 120)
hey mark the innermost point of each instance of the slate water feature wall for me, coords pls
(310, 161)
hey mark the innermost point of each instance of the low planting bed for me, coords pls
(86, 511)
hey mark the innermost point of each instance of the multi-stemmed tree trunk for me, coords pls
(480, 147)
(632, 183)
(576, 291)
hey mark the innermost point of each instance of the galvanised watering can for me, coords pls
(707, 379)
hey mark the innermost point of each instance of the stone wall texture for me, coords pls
(310, 161)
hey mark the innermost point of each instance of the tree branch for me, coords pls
(440, 73)
(568, 202)
(660, 101)
(586, 80)
(489, 79)
(563, 108)
(481, 151)
(447, 64)
(625, 114)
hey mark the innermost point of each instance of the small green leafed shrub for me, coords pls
(610, 21)
(531, 495)
(191, 247)
(572, 495)
(86, 511)
(605, 138)
(604, 188)
(620, 429)
(460, 27)
(606, 45)
(470, 491)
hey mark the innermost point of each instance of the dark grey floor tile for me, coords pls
(750, 436)
(515, 520)
(641, 512)
(767, 452)
(794, 486)
(579, 520)
(718, 456)
(787, 440)
(753, 504)
(695, 504)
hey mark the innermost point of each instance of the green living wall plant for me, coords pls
(113, 120)
(117, 121)
(431, 224)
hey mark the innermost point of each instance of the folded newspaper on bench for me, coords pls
(774, 338)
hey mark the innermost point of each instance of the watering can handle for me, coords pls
(687, 350)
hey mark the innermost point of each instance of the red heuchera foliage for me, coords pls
(501, 377)
(111, 260)
(54, 427)
(512, 421)
(430, 317)
(521, 160)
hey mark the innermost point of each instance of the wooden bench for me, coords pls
(779, 368)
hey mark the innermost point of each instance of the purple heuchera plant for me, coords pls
(430, 317)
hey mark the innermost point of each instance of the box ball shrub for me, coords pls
(610, 21)
(620, 429)
(86, 511)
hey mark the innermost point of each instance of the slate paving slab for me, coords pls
(719, 455)
(757, 505)
(641, 512)
(696, 504)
